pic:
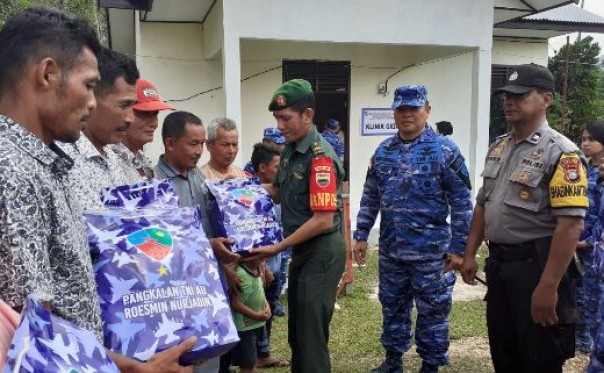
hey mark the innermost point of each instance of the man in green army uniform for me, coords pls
(308, 184)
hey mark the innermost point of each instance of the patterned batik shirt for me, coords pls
(137, 166)
(92, 171)
(43, 246)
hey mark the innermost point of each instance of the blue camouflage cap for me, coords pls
(410, 95)
(332, 123)
(274, 135)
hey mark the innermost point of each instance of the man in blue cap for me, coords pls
(334, 137)
(415, 178)
(334, 126)
(272, 136)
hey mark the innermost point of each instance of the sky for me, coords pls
(593, 6)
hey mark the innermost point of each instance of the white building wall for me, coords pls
(172, 56)
(428, 22)
(448, 76)
(520, 51)
(185, 59)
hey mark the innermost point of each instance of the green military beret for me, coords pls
(289, 93)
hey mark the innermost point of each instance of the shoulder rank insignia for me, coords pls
(317, 148)
(536, 137)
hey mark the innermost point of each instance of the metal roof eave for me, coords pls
(552, 26)
(532, 10)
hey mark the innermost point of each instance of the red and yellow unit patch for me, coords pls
(323, 185)
(568, 186)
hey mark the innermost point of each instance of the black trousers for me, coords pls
(517, 344)
(244, 353)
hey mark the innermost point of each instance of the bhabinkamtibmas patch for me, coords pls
(568, 186)
(323, 185)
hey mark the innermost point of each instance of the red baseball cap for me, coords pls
(147, 98)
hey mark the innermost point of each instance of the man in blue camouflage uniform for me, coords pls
(272, 136)
(335, 143)
(596, 363)
(414, 180)
(590, 288)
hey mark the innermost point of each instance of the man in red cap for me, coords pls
(146, 111)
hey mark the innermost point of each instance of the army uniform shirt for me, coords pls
(528, 183)
(414, 186)
(43, 246)
(309, 178)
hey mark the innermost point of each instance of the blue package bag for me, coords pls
(158, 283)
(155, 193)
(243, 210)
(45, 343)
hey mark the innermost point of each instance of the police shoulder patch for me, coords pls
(568, 186)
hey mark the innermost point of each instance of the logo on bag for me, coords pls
(154, 242)
(243, 196)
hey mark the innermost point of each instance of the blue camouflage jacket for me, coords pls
(414, 186)
(591, 215)
(335, 143)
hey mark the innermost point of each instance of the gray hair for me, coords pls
(225, 123)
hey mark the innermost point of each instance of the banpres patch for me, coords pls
(323, 185)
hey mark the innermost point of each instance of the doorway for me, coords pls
(330, 81)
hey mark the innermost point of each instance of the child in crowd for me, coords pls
(265, 160)
(250, 312)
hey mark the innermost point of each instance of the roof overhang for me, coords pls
(506, 10)
(566, 19)
(526, 33)
(508, 18)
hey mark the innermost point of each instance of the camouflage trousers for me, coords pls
(401, 284)
(589, 292)
(596, 363)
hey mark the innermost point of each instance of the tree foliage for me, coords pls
(87, 9)
(585, 86)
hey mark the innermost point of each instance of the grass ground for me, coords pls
(356, 328)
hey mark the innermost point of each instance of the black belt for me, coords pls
(512, 253)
